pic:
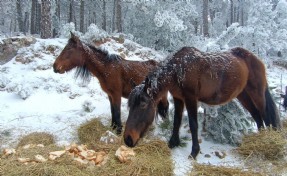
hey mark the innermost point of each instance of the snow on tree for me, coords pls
(228, 123)
(67, 29)
(257, 34)
(94, 33)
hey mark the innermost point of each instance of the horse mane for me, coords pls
(134, 97)
(109, 57)
(84, 73)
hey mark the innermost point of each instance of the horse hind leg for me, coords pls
(264, 103)
(248, 104)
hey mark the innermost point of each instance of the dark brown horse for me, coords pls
(116, 75)
(213, 78)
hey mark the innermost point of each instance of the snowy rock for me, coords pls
(10, 46)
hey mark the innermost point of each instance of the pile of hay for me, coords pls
(268, 144)
(265, 151)
(211, 170)
(152, 157)
(90, 132)
(37, 138)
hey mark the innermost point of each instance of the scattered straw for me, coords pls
(152, 157)
(90, 132)
(268, 144)
(37, 138)
(211, 170)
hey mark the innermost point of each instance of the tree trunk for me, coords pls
(242, 13)
(119, 16)
(205, 18)
(58, 10)
(72, 16)
(114, 16)
(231, 11)
(46, 20)
(82, 16)
(20, 16)
(33, 17)
(104, 17)
(26, 23)
(38, 18)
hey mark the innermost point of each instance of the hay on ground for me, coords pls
(152, 157)
(90, 132)
(269, 144)
(37, 138)
(211, 170)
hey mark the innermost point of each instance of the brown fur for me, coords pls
(117, 76)
(213, 78)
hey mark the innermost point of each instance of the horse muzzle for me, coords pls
(129, 141)
(57, 69)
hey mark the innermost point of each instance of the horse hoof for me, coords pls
(191, 157)
(173, 143)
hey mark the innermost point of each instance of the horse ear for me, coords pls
(74, 37)
(146, 86)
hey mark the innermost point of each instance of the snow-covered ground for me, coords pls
(34, 98)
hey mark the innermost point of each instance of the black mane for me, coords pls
(83, 71)
(134, 97)
(109, 57)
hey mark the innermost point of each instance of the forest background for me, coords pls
(210, 25)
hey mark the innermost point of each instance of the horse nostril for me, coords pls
(129, 141)
(55, 69)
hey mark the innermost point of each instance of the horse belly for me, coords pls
(224, 88)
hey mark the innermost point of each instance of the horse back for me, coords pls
(213, 78)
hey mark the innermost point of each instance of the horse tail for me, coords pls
(271, 111)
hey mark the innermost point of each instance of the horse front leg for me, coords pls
(162, 107)
(178, 109)
(115, 104)
(191, 107)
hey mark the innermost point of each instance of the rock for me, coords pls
(10, 46)
(220, 155)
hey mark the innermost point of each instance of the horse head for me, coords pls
(141, 115)
(71, 56)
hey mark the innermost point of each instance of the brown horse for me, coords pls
(116, 75)
(213, 78)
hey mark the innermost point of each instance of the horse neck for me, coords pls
(94, 61)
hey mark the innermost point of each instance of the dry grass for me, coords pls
(37, 138)
(211, 170)
(89, 133)
(265, 150)
(152, 157)
(268, 144)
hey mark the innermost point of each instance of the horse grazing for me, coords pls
(116, 75)
(213, 78)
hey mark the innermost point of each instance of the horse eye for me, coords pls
(143, 105)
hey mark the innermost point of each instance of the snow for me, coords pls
(36, 99)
